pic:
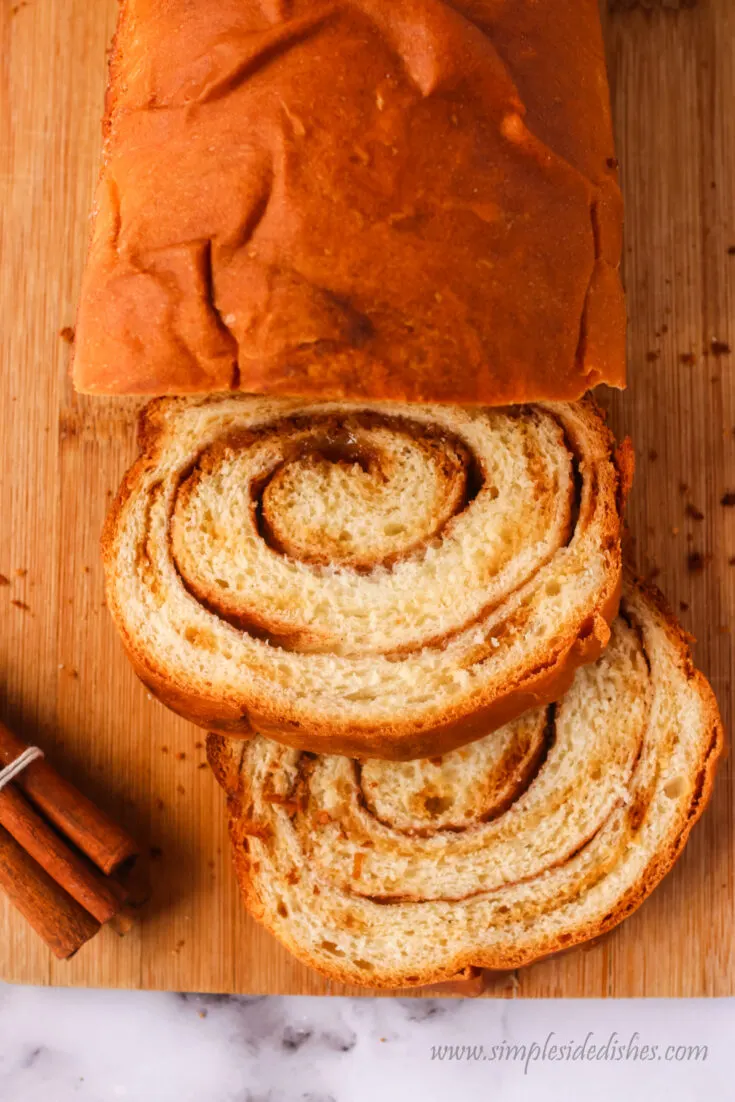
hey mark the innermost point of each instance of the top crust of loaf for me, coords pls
(410, 201)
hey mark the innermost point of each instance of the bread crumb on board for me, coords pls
(696, 561)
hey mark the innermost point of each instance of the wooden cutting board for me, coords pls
(63, 678)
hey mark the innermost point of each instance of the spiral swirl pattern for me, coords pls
(539, 836)
(371, 579)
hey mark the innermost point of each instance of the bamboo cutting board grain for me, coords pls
(63, 678)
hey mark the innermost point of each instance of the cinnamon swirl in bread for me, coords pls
(543, 835)
(365, 578)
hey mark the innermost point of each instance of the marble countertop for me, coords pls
(59, 1045)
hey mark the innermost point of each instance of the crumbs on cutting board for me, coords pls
(21, 572)
(21, 605)
(67, 334)
(693, 512)
(696, 561)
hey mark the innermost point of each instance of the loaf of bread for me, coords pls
(413, 200)
(372, 579)
(538, 837)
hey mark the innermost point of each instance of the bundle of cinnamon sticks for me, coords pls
(59, 854)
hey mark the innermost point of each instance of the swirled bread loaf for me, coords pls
(372, 579)
(542, 835)
(411, 200)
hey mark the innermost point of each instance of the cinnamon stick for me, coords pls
(103, 899)
(62, 923)
(74, 815)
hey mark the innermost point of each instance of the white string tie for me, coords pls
(10, 772)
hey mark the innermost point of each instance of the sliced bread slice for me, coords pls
(538, 837)
(373, 579)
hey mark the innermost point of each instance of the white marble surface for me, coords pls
(99, 1046)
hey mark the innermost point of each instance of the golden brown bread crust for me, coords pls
(224, 760)
(414, 201)
(608, 474)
